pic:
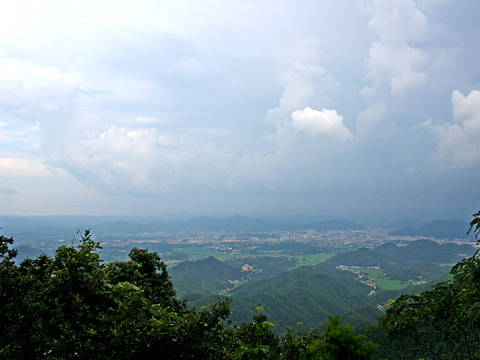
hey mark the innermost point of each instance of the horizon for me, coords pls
(372, 220)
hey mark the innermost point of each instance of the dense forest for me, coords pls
(73, 305)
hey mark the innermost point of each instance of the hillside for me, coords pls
(425, 251)
(205, 276)
(307, 295)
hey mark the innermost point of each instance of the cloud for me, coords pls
(22, 167)
(38, 103)
(459, 142)
(26, 87)
(305, 84)
(7, 188)
(393, 62)
(325, 124)
(370, 117)
(144, 161)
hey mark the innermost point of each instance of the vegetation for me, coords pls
(74, 306)
(445, 321)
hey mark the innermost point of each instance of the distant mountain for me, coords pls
(436, 229)
(425, 251)
(405, 223)
(26, 252)
(13, 226)
(67, 226)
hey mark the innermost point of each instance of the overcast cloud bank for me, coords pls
(215, 106)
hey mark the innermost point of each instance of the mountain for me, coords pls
(306, 294)
(26, 252)
(404, 223)
(436, 229)
(206, 276)
(66, 226)
(425, 251)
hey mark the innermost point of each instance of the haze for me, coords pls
(285, 107)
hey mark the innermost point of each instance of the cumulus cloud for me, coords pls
(25, 84)
(325, 124)
(392, 62)
(140, 161)
(305, 84)
(459, 142)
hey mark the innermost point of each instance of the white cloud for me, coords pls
(459, 142)
(325, 124)
(305, 84)
(144, 161)
(371, 117)
(393, 62)
(25, 84)
(22, 167)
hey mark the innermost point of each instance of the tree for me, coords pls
(9, 291)
(445, 320)
(146, 270)
(340, 342)
(73, 305)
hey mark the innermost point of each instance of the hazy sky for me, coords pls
(248, 106)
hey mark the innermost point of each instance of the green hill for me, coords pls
(425, 251)
(206, 276)
(307, 295)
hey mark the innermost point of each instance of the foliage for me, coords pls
(340, 342)
(146, 270)
(445, 320)
(73, 305)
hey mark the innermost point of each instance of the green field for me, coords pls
(383, 281)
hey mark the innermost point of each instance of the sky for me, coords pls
(240, 107)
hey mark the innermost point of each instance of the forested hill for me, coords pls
(307, 295)
(204, 276)
(425, 251)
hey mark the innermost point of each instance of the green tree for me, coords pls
(73, 305)
(340, 342)
(146, 270)
(445, 320)
(256, 340)
(10, 293)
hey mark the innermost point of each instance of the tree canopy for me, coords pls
(444, 320)
(74, 306)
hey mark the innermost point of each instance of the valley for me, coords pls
(299, 272)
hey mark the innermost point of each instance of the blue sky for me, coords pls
(158, 107)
